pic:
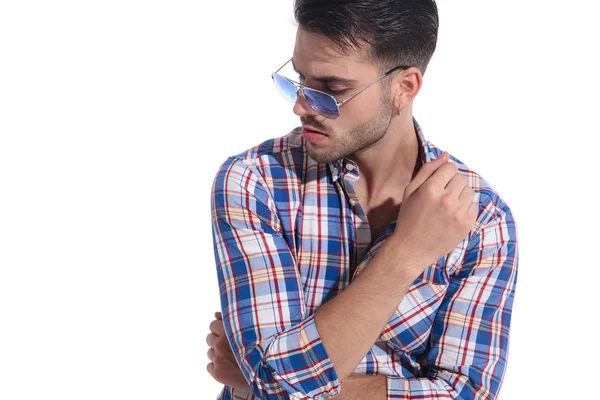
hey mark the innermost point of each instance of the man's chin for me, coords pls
(321, 157)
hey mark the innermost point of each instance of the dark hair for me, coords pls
(397, 32)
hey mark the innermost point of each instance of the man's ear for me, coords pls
(405, 87)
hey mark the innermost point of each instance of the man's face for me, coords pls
(363, 120)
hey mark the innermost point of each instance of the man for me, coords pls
(353, 259)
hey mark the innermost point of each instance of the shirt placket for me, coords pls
(358, 221)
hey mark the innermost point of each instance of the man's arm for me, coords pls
(280, 350)
(364, 387)
(275, 342)
(437, 211)
(352, 321)
(470, 333)
(278, 346)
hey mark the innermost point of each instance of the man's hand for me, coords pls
(223, 366)
(438, 210)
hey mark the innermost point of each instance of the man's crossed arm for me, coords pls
(283, 352)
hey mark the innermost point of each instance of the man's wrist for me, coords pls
(399, 254)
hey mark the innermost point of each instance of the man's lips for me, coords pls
(312, 130)
(313, 136)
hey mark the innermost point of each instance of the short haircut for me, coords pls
(394, 32)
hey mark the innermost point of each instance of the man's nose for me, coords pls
(302, 108)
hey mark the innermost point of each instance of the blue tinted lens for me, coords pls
(322, 103)
(287, 88)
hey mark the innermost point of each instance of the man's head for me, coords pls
(360, 40)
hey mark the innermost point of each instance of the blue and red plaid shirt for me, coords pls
(289, 234)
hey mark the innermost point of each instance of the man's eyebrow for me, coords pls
(327, 78)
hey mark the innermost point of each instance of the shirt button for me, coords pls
(350, 167)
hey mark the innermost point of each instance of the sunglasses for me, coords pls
(323, 103)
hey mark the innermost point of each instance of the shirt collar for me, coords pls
(336, 167)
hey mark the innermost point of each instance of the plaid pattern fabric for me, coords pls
(289, 234)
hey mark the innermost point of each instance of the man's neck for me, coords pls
(392, 161)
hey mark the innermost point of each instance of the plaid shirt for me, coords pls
(289, 234)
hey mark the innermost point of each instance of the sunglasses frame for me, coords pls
(300, 88)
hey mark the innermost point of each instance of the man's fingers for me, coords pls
(217, 328)
(210, 339)
(457, 184)
(218, 315)
(425, 172)
(442, 176)
(468, 198)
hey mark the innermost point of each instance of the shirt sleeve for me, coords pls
(276, 344)
(470, 332)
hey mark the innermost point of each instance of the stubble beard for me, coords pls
(359, 138)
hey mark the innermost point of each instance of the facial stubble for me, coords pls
(359, 138)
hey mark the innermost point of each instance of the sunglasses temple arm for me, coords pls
(279, 69)
(362, 90)
(372, 83)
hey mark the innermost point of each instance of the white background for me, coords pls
(114, 116)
